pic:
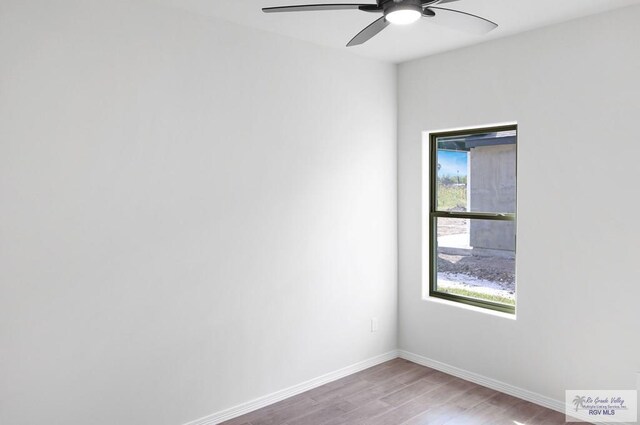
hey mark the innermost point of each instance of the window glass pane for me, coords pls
(477, 172)
(476, 259)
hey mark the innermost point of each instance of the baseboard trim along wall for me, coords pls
(484, 381)
(494, 384)
(260, 402)
(280, 395)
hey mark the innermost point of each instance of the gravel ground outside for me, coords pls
(484, 275)
(493, 269)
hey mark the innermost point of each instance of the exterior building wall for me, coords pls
(492, 188)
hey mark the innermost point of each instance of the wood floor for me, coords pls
(400, 392)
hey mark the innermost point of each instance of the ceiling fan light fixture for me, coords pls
(398, 12)
(403, 14)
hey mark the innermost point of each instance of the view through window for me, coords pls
(472, 216)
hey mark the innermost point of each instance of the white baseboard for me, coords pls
(260, 402)
(484, 381)
(494, 384)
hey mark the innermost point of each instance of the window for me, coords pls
(472, 217)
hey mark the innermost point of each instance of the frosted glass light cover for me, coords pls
(403, 16)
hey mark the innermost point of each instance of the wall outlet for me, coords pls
(374, 324)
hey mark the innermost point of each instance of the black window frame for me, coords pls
(434, 214)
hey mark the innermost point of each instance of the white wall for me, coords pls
(575, 92)
(193, 213)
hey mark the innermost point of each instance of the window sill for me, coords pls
(490, 312)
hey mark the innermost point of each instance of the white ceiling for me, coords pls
(396, 44)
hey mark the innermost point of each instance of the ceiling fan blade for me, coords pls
(374, 28)
(315, 7)
(462, 21)
(446, 1)
(428, 13)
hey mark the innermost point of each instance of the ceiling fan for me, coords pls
(400, 12)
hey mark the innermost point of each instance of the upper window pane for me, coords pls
(477, 172)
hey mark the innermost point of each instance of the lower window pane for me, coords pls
(476, 259)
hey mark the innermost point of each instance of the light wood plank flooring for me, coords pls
(400, 392)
